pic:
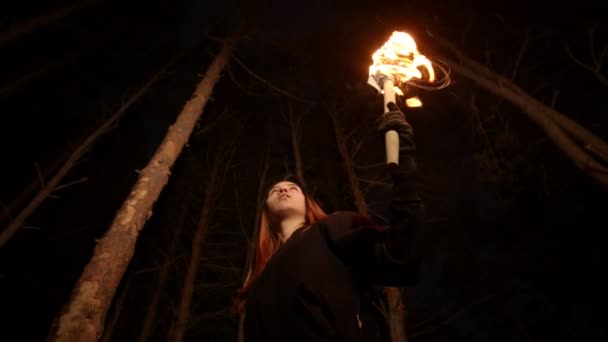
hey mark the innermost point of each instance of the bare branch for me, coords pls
(36, 23)
(554, 98)
(66, 185)
(452, 317)
(555, 124)
(83, 316)
(39, 173)
(215, 180)
(520, 55)
(480, 128)
(598, 61)
(53, 183)
(373, 181)
(576, 60)
(591, 41)
(270, 85)
(370, 166)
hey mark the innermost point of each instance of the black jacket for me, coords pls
(312, 287)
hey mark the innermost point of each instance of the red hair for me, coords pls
(267, 244)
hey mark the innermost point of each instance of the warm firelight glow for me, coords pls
(413, 102)
(400, 60)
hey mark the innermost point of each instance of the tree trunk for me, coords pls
(31, 25)
(82, 319)
(555, 124)
(24, 80)
(214, 183)
(252, 250)
(150, 318)
(395, 315)
(349, 165)
(294, 128)
(52, 185)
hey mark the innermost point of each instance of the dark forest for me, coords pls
(512, 157)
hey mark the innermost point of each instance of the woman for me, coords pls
(306, 281)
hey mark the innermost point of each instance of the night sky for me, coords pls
(513, 247)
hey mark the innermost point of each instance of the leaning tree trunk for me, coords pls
(395, 312)
(82, 319)
(214, 183)
(563, 131)
(53, 184)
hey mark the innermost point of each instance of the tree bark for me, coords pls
(48, 188)
(215, 180)
(395, 315)
(82, 319)
(109, 330)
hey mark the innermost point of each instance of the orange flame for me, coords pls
(400, 59)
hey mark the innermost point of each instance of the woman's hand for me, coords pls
(395, 120)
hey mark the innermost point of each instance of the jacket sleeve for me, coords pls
(383, 254)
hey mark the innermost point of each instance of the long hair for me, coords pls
(267, 244)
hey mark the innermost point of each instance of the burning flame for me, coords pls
(413, 102)
(400, 60)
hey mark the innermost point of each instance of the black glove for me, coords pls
(406, 209)
(395, 120)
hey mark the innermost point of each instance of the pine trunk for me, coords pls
(150, 318)
(215, 180)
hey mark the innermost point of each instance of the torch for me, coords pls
(397, 63)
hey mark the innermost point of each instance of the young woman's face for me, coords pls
(285, 199)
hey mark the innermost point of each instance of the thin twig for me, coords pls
(520, 55)
(81, 180)
(39, 173)
(76, 155)
(270, 85)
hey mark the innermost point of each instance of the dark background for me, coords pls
(513, 240)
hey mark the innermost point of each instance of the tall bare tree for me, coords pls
(587, 151)
(214, 183)
(16, 31)
(260, 199)
(295, 133)
(394, 313)
(53, 184)
(82, 318)
(163, 276)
